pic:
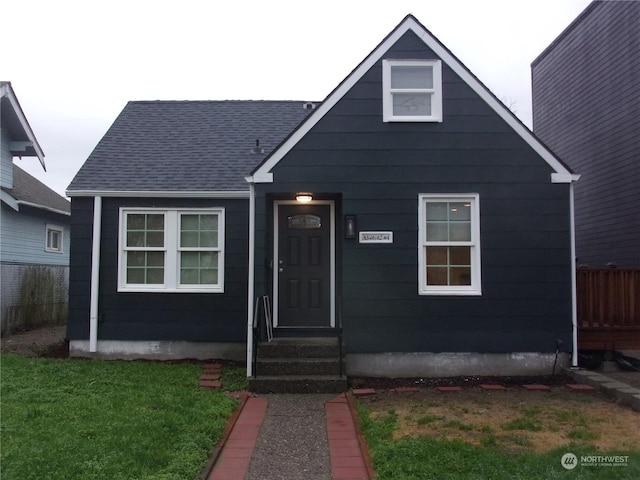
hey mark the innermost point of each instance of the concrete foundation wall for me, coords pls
(398, 365)
(160, 350)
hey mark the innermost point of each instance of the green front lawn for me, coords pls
(415, 457)
(111, 420)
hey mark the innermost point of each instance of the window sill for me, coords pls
(408, 119)
(451, 292)
(170, 290)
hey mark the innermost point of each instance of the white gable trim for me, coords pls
(263, 173)
(6, 90)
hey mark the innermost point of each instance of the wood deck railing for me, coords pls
(608, 308)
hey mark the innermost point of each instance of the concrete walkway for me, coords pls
(621, 386)
(316, 437)
(293, 437)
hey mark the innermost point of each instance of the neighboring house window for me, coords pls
(171, 250)
(449, 244)
(412, 90)
(54, 239)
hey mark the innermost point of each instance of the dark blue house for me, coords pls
(410, 213)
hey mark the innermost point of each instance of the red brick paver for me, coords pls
(492, 386)
(363, 392)
(449, 389)
(211, 367)
(406, 390)
(345, 453)
(579, 387)
(535, 386)
(233, 462)
(210, 383)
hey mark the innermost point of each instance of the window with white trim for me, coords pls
(449, 244)
(171, 250)
(412, 90)
(54, 240)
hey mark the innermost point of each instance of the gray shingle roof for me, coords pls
(30, 190)
(186, 145)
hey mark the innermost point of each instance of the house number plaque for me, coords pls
(376, 237)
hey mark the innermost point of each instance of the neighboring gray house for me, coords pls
(34, 231)
(586, 108)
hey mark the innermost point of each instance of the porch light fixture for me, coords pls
(350, 226)
(303, 197)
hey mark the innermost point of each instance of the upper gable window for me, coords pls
(412, 90)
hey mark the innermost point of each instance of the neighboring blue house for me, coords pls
(34, 231)
(409, 214)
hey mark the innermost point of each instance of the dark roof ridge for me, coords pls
(224, 101)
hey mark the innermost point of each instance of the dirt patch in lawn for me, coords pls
(42, 342)
(513, 419)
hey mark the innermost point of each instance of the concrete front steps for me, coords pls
(298, 365)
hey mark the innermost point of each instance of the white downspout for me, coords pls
(251, 289)
(574, 293)
(95, 275)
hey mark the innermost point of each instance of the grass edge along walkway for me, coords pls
(423, 458)
(94, 419)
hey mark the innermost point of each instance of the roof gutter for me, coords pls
(159, 193)
(43, 207)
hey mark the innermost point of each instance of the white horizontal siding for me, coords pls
(23, 237)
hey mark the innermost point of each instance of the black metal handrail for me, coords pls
(256, 338)
(339, 315)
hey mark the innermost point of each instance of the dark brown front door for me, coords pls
(304, 265)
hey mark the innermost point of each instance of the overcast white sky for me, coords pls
(75, 63)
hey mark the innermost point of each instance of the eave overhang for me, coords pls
(24, 142)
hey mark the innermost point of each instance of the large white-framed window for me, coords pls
(171, 250)
(449, 244)
(412, 90)
(54, 239)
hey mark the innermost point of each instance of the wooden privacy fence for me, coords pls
(608, 309)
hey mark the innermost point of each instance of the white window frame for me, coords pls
(475, 288)
(435, 92)
(171, 250)
(60, 231)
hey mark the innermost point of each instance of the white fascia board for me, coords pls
(263, 173)
(7, 91)
(9, 200)
(159, 194)
(44, 207)
(564, 177)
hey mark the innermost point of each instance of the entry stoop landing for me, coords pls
(299, 365)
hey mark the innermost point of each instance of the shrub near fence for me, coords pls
(608, 309)
(33, 296)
